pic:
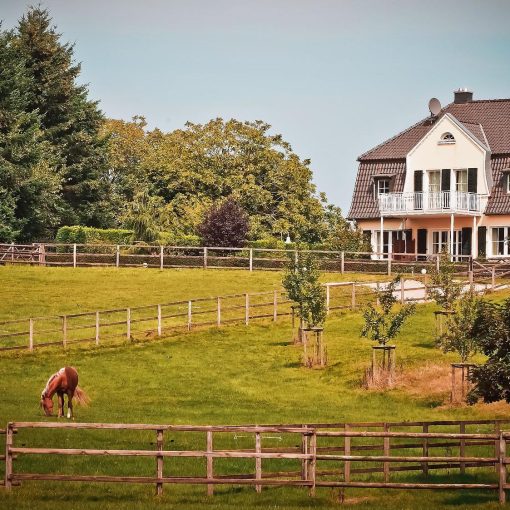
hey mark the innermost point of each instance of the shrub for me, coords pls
(225, 225)
(492, 330)
(89, 235)
(460, 335)
(381, 324)
(445, 290)
(301, 281)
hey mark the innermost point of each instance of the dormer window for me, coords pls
(446, 138)
(383, 186)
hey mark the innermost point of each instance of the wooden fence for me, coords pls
(162, 257)
(158, 320)
(359, 455)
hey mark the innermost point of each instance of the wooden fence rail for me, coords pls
(157, 320)
(207, 257)
(312, 447)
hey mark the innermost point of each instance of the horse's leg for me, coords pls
(70, 396)
(60, 398)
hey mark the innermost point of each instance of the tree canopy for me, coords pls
(63, 163)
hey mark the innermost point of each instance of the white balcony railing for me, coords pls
(432, 202)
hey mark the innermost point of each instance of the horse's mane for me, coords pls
(81, 397)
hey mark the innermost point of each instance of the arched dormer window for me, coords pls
(447, 138)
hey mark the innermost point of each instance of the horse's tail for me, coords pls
(81, 397)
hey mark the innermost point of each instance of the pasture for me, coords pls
(232, 375)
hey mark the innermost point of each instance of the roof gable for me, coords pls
(445, 123)
(487, 120)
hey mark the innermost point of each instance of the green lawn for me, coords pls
(234, 375)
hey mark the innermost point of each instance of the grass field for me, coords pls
(233, 375)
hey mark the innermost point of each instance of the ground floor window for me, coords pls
(499, 244)
(441, 241)
(389, 239)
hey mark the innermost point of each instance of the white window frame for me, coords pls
(461, 171)
(383, 184)
(494, 241)
(443, 242)
(507, 177)
(446, 139)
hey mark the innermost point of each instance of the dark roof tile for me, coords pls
(493, 115)
(364, 205)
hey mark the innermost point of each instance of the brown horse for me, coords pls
(65, 381)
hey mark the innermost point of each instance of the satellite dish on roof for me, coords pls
(434, 106)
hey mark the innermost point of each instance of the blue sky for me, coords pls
(334, 77)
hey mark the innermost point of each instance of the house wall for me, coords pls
(428, 154)
(440, 224)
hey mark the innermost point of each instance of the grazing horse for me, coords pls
(65, 381)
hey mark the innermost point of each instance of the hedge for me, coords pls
(89, 235)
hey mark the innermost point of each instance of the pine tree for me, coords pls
(69, 120)
(29, 201)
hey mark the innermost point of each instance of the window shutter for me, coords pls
(472, 180)
(467, 234)
(445, 179)
(482, 239)
(418, 181)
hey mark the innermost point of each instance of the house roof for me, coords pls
(488, 120)
(499, 202)
(364, 205)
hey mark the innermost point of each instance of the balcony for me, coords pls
(437, 202)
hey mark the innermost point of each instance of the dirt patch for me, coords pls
(430, 379)
(499, 409)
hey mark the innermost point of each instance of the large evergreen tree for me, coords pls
(29, 186)
(69, 120)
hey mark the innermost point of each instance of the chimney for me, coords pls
(462, 96)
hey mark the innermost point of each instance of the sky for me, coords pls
(334, 77)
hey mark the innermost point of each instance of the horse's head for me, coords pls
(47, 405)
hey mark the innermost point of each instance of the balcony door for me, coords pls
(439, 189)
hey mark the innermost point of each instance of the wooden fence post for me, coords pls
(462, 448)
(128, 323)
(386, 453)
(159, 462)
(425, 465)
(31, 335)
(497, 444)
(493, 277)
(117, 256)
(247, 309)
(502, 468)
(189, 316)
(258, 461)
(353, 297)
(74, 255)
(161, 258)
(64, 331)
(97, 328)
(347, 451)
(205, 258)
(327, 299)
(402, 291)
(159, 320)
(313, 462)
(438, 261)
(304, 451)
(251, 259)
(9, 438)
(342, 263)
(219, 312)
(210, 472)
(389, 264)
(275, 305)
